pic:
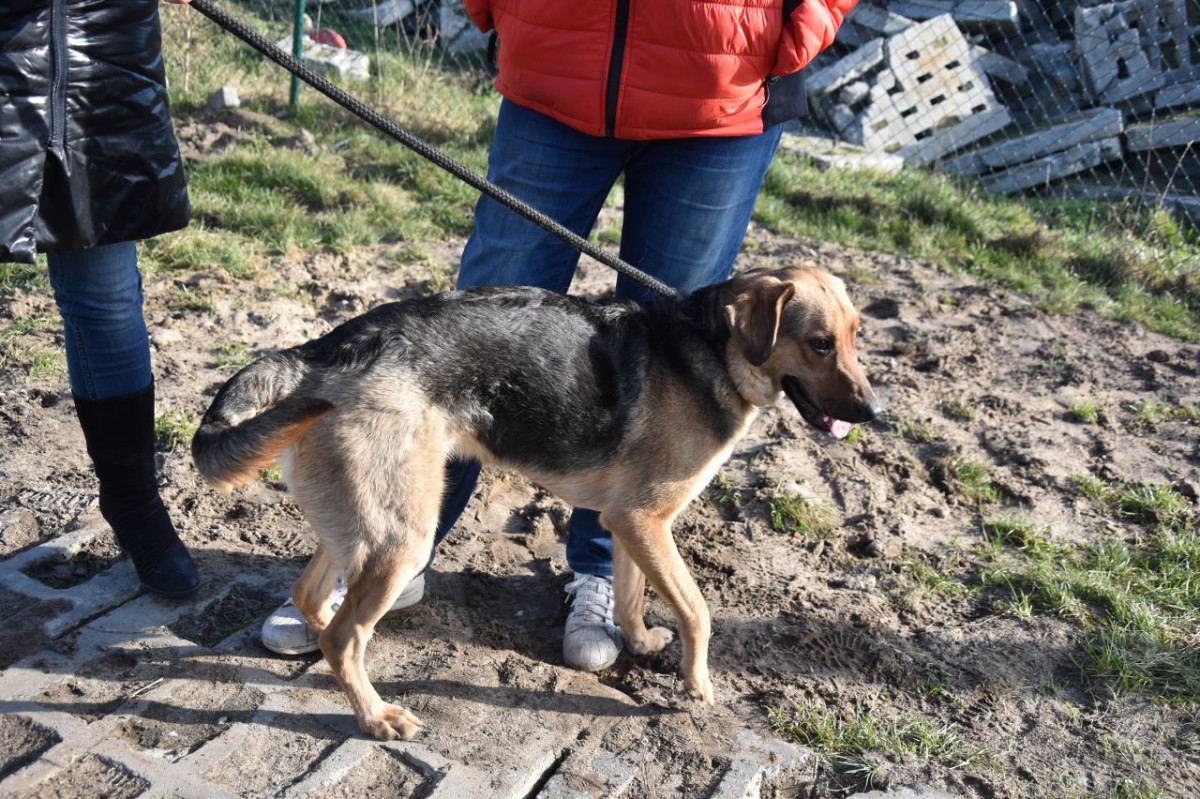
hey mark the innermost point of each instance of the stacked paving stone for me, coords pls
(1076, 86)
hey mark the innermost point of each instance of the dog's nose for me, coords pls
(867, 410)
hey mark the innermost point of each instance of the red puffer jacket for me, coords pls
(653, 69)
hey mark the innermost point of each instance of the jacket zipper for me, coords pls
(58, 55)
(615, 65)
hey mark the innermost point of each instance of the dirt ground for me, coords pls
(828, 621)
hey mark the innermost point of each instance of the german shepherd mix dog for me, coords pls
(625, 408)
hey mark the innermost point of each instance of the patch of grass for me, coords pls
(1137, 600)
(19, 349)
(1138, 502)
(921, 580)
(173, 429)
(273, 476)
(1084, 411)
(1127, 261)
(199, 247)
(1017, 532)
(232, 355)
(802, 516)
(916, 431)
(1149, 414)
(30, 277)
(722, 492)
(853, 739)
(187, 299)
(958, 408)
(973, 480)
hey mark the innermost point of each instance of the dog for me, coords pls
(622, 407)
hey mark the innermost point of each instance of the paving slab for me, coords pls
(126, 699)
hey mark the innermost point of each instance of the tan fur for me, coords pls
(369, 478)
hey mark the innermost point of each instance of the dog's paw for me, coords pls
(391, 723)
(701, 690)
(652, 641)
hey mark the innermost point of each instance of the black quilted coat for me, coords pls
(87, 154)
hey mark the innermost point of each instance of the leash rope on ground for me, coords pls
(232, 25)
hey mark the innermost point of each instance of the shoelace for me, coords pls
(592, 602)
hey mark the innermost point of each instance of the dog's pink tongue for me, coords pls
(837, 428)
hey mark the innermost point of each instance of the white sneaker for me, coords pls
(591, 641)
(285, 631)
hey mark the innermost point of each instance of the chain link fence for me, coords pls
(419, 62)
(1051, 97)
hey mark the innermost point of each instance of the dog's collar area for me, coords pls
(812, 414)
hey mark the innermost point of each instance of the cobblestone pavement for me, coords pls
(112, 692)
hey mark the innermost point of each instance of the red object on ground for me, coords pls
(328, 36)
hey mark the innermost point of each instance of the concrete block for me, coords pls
(1052, 167)
(587, 775)
(830, 154)
(1055, 62)
(1098, 123)
(921, 10)
(224, 97)
(850, 68)
(459, 35)
(1180, 95)
(842, 118)
(329, 61)
(759, 761)
(940, 86)
(386, 13)
(854, 93)
(951, 139)
(1177, 132)
(999, 67)
(987, 15)
(879, 21)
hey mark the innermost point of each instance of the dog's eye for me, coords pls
(821, 346)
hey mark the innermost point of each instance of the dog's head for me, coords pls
(795, 329)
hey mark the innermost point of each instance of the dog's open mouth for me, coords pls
(835, 427)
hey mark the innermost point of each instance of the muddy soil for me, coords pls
(831, 621)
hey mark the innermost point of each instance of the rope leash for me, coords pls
(232, 25)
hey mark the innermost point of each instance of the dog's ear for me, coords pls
(753, 318)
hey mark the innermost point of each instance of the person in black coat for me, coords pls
(88, 165)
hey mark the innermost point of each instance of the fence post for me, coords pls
(298, 52)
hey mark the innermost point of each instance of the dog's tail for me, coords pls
(254, 416)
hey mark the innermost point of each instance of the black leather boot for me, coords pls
(120, 440)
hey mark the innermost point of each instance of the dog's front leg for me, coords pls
(629, 593)
(644, 545)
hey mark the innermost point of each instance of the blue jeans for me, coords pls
(687, 206)
(99, 295)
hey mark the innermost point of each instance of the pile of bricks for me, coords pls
(1019, 94)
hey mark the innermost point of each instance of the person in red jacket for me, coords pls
(685, 99)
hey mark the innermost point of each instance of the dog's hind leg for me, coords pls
(646, 540)
(629, 593)
(344, 642)
(379, 524)
(311, 592)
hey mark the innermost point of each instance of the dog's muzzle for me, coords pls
(836, 427)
